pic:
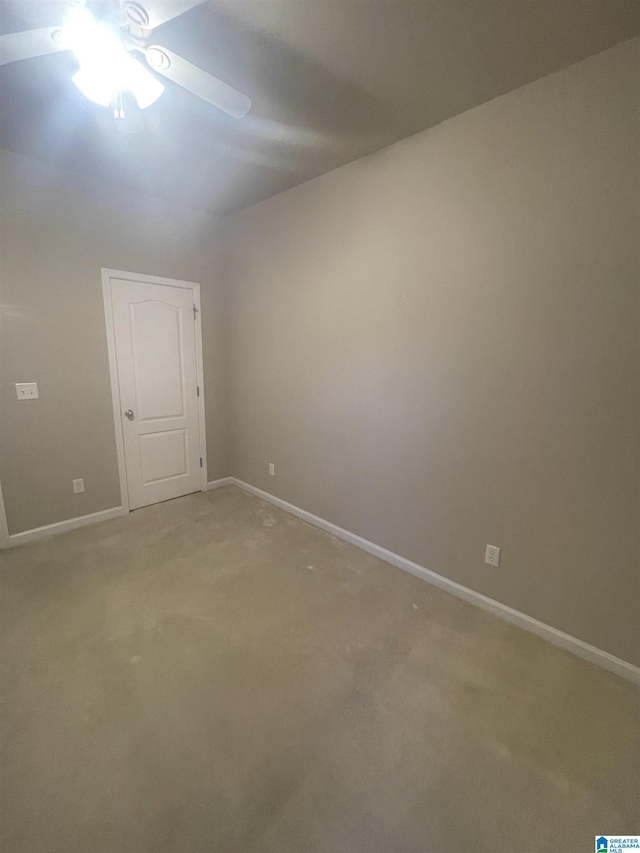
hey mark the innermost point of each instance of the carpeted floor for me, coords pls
(211, 674)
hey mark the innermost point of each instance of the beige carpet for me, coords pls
(211, 674)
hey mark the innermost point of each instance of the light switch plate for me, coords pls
(27, 390)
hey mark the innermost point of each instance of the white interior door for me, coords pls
(155, 344)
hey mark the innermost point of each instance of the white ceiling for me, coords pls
(330, 80)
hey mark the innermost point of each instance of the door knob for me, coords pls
(129, 414)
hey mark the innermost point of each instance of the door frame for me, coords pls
(107, 276)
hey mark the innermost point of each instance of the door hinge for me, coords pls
(198, 390)
(201, 461)
(195, 312)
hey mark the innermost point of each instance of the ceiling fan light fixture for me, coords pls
(100, 85)
(95, 86)
(145, 87)
(106, 68)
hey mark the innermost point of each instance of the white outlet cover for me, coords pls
(78, 486)
(26, 390)
(492, 555)
(272, 469)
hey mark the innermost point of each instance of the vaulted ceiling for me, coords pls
(330, 81)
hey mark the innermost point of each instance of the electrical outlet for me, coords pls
(78, 486)
(272, 469)
(26, 390)
(492, 555)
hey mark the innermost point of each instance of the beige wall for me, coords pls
(438, 347)
(56, 232)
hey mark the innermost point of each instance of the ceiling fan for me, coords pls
(110, 49)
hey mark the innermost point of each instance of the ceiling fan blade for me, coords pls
(149, 14)
(197, 81)
(15, 46)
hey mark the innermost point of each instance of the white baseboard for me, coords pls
(82, 520)
(528, 623)
(223, 481)
(63, 526)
